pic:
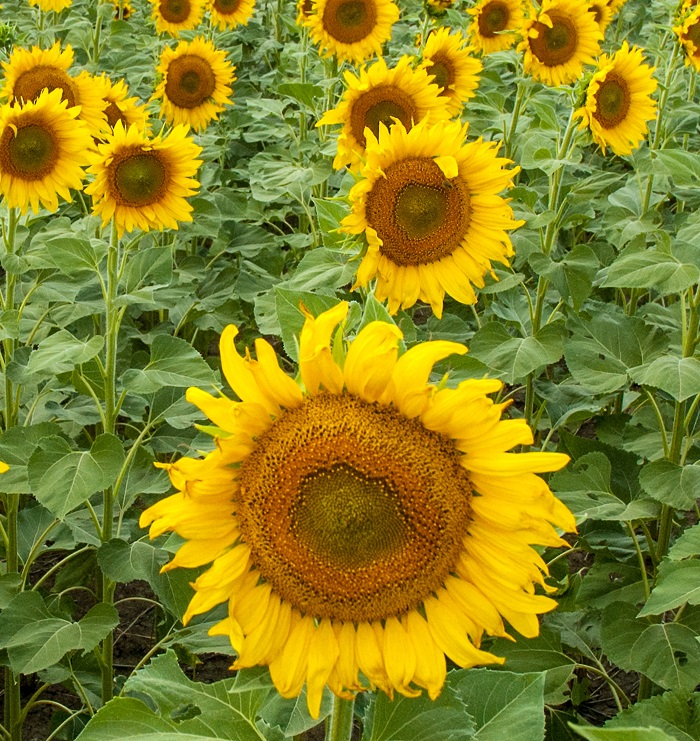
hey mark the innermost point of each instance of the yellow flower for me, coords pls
(304, 9)
(362, 520)
(616, 5)
(28, 72)
(618, 101)
(352, 30)
(453, 67)
(196, 83)
(231, 13)
(55, 5)
(3, 466)
(120, 107)
(688, 33)
(142, 181)
(173, 16)
(126, 9)
(381, 95)
(495, 25)
(602, 13)
(429, 207)
(559, 40)
(42, 150)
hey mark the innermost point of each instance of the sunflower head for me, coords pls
(495, 24)
(361, 521)
(55, 6)
(120, 107)
(231, 13)
(123, 10)
(688, 33)
(602, 13)
(174, 16)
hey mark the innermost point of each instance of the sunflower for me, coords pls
(28, 72)
(429, 207)
(55, 5)
(495, 24)
(120, 107)
(688, 33)
(618, 100)
(454, 69)
(365, 521)
(352, 30)
(602, 13)
(616, 5)
(231, 13)
(142, 181)
(42, 149)
(123, 9)
(173, 16)
(196, 83)
(382, 95)
(438, 8)
(559, 40)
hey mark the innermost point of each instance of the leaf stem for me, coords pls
(340, 727)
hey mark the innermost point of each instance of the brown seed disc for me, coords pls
(349, 21)
(597, 12)
(555, 45)
(189, 81)
(30, 153)
(226, 7)
(493, 18)
(443, 70)
(175, 11)
(693, 34)
(351, 510)
(612, 101)
(114, 114)
(29, 84)
(418, 213)
(138, 178)
(381, 105)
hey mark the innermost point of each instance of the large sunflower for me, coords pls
(454, 69)
(688, 33)
(429, 207)
(231, 13)
(195, 83)
(174, 16)
(381, 95)
(42, 150)
(352, 30)
(28, 72)
(120, 107)
(142, 181)
(55, 5)
(495, 24)
(618, 100)
(364, 521)
(559, 40)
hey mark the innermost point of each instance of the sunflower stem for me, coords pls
(517, 108)
(340, 726)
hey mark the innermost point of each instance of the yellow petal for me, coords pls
(431, 667)
(316, 364)
(371, 359)
(399, 657)
(323, 653)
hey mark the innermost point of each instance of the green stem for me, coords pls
(640, 558)
(512, 129)
(340, 727)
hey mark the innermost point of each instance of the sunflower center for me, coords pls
(493, 18)
(226, 7)
(556, 45)
(140, 178)
(612, 101)
(597, 12)
(418, 213)
(443, 72)
(349, 21)
(693, 34)
(175, 11)
(190, 81)
(351, 510)
(30, 154)
(381, 105)
(29, 85)
(114, 114)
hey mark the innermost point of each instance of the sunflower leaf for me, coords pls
(670, 483)
(678, 377)
(649, 733)
(676, 584)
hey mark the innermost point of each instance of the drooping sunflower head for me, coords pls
(362, 520)
(42, 152)
(688, 33)
(454, 70)
(496, 25)
(380, 95)
(602, 13)
(195, 83)
(120, 107)
(174, 16)
(430, 209)
(618, 100)
(352, 30)
(231, 13)
(55, 6)
(143, 182)
(559, 40)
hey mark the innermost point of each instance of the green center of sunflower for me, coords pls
(612, 101)
(418, 213)
(443, 73)
(381, 104)
(558, 44)
(351, 510)
(140, 178)
(175, 11)
(29, 84)
(349, 21)
(190, 81)
(493, 18)
(30, 154)
(226, 7)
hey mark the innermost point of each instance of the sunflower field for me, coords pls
(350, 375)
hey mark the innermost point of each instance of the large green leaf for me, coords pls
(123, 562)
(649, 733)
(651, 269)
(688, 544)
(675, 713)
(676, 584)
(678, 377)
(61, 352)
(670, 483)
